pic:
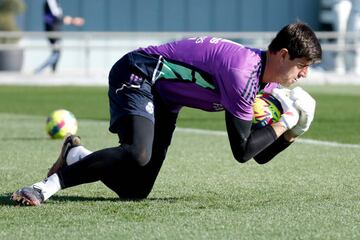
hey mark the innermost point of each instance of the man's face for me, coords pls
(289, 71)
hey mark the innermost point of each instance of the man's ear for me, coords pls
(283, 54)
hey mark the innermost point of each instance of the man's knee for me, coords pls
(134, 193)
(141, 156)
(133, 197)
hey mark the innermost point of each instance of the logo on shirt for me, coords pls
(149, 107)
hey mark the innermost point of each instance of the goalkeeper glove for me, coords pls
(306, 105)
(290, 116)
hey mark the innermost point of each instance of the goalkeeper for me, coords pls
(149, 86)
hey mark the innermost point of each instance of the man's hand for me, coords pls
(306, 105)
(76, 21)
(290, 116)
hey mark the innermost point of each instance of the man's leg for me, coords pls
(134, 151)
(111, 163)
(130, 179)
(55, 59)
(138, 181)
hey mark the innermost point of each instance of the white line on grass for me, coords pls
(306, 141)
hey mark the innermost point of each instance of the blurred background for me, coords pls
(114, 27)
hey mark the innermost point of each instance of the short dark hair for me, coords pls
(300, 40)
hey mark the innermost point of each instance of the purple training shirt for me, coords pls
(216, 74)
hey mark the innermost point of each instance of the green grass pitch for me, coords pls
(309, 191)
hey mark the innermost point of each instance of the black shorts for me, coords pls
(129, 94)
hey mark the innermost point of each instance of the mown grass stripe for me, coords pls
(302, 140)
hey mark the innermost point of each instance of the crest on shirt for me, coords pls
(149, 107)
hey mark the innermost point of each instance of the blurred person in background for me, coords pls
(342, 16)
(53, 21)
(341, 9)
(354, 26)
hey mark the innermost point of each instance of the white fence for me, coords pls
(91, 53)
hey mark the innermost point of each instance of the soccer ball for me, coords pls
(60, 123)
(267, 109)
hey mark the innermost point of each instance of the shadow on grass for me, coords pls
(110, 199)
(5, 199)
(82, 199)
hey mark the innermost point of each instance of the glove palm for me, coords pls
(306, 105)
(290, 116)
